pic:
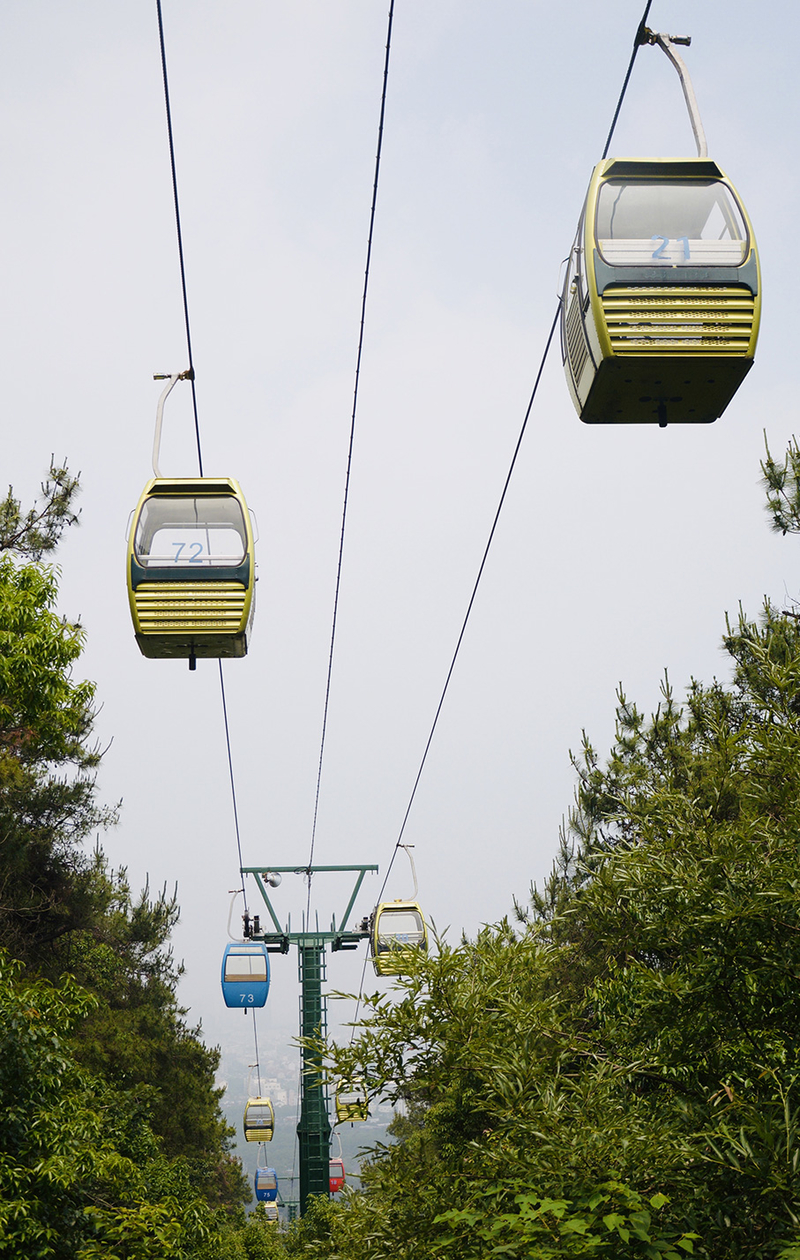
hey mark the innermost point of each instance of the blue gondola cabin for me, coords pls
(266, 1185)
(245, 974)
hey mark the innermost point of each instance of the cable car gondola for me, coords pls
(336, 1174)
(245, 974)
(351, 1102)
(191, 569)
(259, 1120)
(398, 934)
(265, 1184)
(271, 1213)
(662, 295)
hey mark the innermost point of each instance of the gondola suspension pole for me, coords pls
(667, 44)
(172, 381)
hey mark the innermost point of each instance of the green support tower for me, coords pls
(314, 1129)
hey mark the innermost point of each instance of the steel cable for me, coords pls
(638, 41)
(179, 232)
(350, 450)
(178, 228)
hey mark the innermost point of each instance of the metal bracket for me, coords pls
(340, 933)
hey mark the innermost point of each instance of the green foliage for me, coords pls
(39, 530)
(254, 1239)
(81, 1174)
(111, 1138)
(613, 1074)
(782, 483)
(612, 1221)
(47, 781)
(618, 1073)
(44, 716)
(137, 1035)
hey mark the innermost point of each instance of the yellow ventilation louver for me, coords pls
(190, 608)
(680, 321)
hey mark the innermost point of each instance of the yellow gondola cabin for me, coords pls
(398, 934)
(191, 569)
(351, 1102)
(259, 1120)
(662, 296)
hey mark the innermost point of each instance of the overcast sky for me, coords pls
(619, 550)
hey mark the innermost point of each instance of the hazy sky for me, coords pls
(620, 549)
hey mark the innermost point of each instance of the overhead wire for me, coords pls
(232, 781)
(350, 450)
(399, 842)
(173, 169)
(638, 41)
(345, 502)
(470, 605)
(187, 327)
(255, 1046)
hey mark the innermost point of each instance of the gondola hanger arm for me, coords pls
(409, 855)
(172, 380)
(667, 44)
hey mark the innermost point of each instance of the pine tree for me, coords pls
(616, 1072)
(65, 918)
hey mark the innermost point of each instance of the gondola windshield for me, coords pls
(398, 934)
(245, 974)
(686, 223)
(259, 1114)
(347, 1096)
(203, 531)
(246, 964)
(265, 1184)
(400, 927)
(351, 1101)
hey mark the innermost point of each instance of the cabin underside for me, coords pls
(639, 389)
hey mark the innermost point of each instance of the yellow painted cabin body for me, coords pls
(258, 1123)
(351, 1102)
(399, 934)
(191, 569)
(662, 296)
